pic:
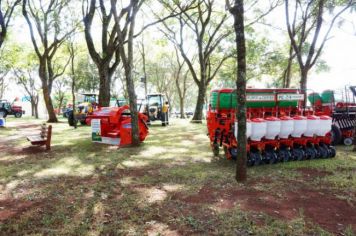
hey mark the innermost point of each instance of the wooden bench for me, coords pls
(44, 138)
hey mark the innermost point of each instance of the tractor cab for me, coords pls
(121, 102)
(157, 108)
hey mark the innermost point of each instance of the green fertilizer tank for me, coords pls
(314, 98)
(327, 96)
(256, 98)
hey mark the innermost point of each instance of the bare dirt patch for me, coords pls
(206, 195)
(12, 208)
(309, 173)
(320, 207)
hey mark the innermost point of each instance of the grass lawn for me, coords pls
(170, 185)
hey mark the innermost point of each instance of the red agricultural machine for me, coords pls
(342, 111)
(278, 126)
(112, 125)
(6, 108)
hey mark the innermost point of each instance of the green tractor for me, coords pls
(87, 105)
(157, 108)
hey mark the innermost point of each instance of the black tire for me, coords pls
(310, 153)
(336, 135)
(284, 155)
(332, 151)
(83, 122)
(3, 113)
(348, 141)
(18, 114)
(71, 120)
(250, 160)
(257, 158)
(298, 154)
(322, 151)
(270, 157)
(233, 153)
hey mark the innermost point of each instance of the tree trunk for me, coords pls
(60, 105)
(181, 104)
(36, 107)
(104, 87)
(180, 94)
(49, 105)
(133, 106)
(303, 83)
(198, 113)
(238, 12)
(32, 106)
(46, 88)
(2, 87)
(289, 68)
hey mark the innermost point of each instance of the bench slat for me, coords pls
(35, 138)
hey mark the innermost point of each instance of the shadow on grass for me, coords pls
(82, 188)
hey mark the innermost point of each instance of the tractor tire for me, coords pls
(71, 120)
(18, 114)
(336, 135)
(3, 113)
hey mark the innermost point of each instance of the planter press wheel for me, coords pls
(284, 155)
(298, 154)
(332, 151)
(270, 157)
(256, 156)
(310, 153)
(322, 151)
(250, 160)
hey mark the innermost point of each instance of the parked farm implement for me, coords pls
(279, 128)
(112, 125)
(343, 112)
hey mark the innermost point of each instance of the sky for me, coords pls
(339, 52)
